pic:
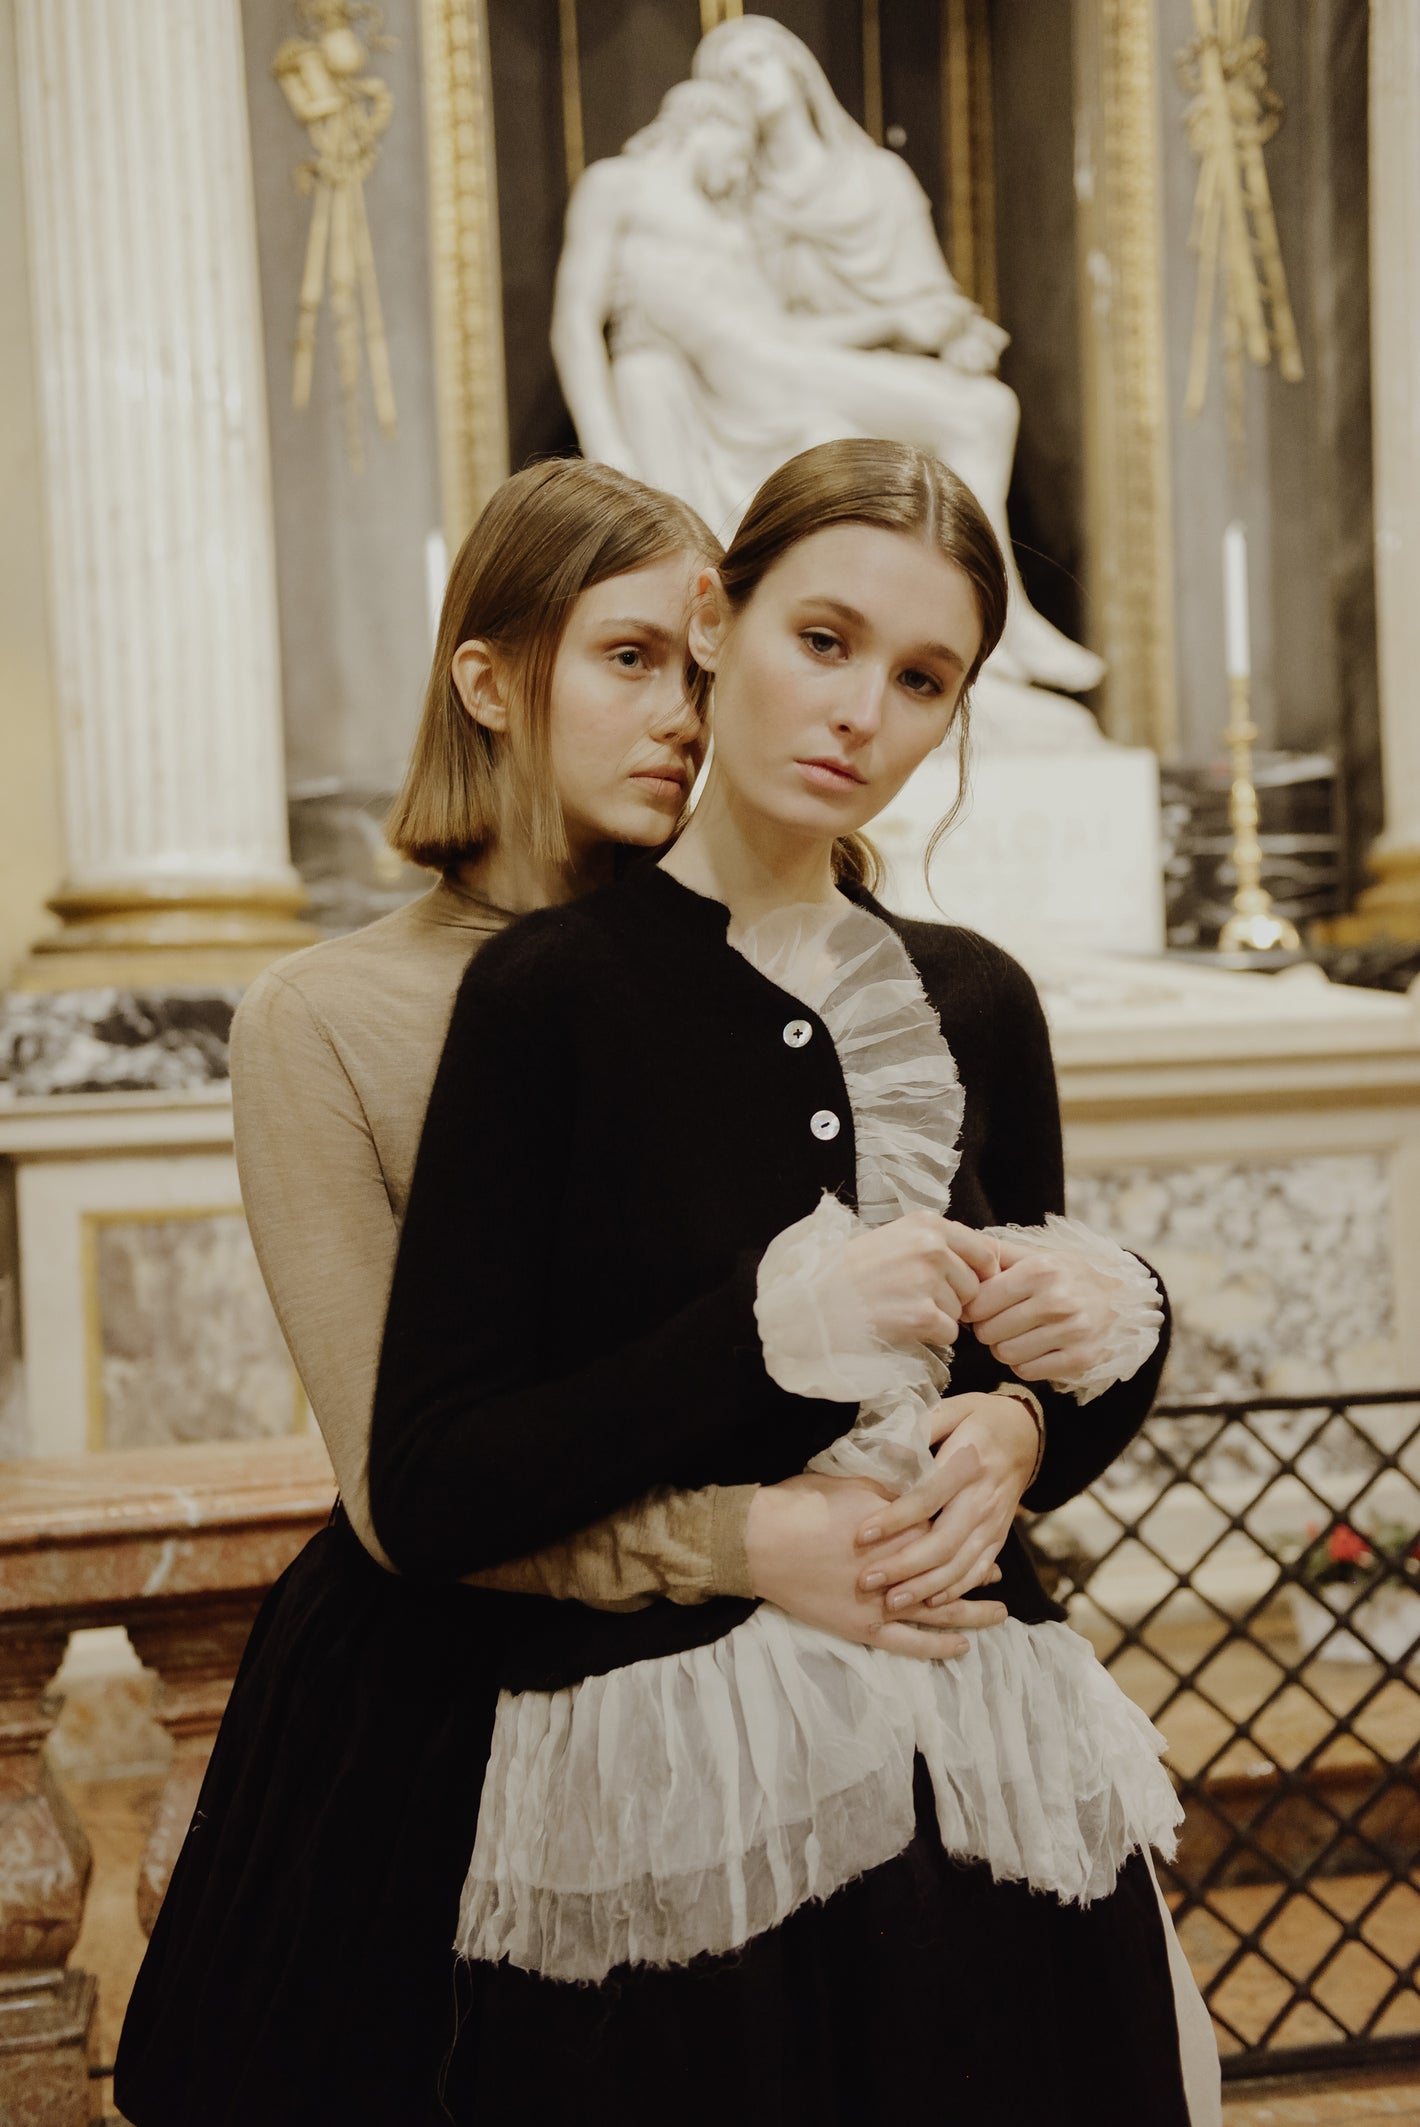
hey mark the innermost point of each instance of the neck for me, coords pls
(512, 878)
(752, 864)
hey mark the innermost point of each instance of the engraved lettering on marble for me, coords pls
(187, 1345)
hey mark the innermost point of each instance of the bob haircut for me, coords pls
(546, 535)
(862, 480)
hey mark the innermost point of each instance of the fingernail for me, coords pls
(873, 1580)
(869, 1536)
(899, 1599)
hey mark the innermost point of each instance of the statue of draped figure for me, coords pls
(753, 275)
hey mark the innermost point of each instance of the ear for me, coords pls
(709, 620)
(478, 684)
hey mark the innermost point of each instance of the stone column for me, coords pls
(1391, 908)
(196, 1649)
(47, 2009)
(161, 555)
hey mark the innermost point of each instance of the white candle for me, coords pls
(436, 576)
(1235, 602)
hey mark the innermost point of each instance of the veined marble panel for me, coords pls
(184, 1345)
(113, 1041)
(1280, 1275)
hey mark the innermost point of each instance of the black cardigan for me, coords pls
(617, 1130)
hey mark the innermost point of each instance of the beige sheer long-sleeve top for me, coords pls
(333, 1056)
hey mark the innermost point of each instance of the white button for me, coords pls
(825, 1124)
(797, 1033)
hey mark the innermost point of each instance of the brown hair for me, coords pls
(547, 535)
(862, 480)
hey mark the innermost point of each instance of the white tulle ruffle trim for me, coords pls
(683, 1805)
(687, 1804)
(1137, 1302)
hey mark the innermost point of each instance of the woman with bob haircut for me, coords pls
(301, 1967)
(745, 1170)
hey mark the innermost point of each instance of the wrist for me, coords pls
(730, 1518)
(1017, 1392)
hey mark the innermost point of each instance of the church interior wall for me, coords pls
(30, 850)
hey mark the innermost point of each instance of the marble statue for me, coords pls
(751, 275)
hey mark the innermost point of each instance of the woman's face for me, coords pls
(838, 677)
(625, 742)
(762, 75)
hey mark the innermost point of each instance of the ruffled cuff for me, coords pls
(1136, 1300)
(814, 1329)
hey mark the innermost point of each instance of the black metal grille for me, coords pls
(1293, 1735)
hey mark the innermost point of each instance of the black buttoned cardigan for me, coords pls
(620, 1124)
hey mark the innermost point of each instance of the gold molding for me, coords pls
(186, 931)
(90, 1223)
(1128, 490)
(872, 28)
(464, 258)
(714, 12)
(574, 139)
(968, 151)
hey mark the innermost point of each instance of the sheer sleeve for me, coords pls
(1023, 1170)
(477, 1455)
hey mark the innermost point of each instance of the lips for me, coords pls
(839, 770)
(672, 773)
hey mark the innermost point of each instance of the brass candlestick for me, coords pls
(1252, 927)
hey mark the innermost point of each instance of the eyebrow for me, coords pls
(629, 626)
(860, 620)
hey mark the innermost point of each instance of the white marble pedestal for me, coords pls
(1053, 849)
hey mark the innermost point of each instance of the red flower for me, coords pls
(1345, 1548)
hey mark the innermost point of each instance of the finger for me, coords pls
(1007, 1289)
(972, 1576)
(958, 1540)
(922, 1642)
(954, 1469)
(964, 1570)
(1037, 1344)
(961, 1278)
(977, 1250)
(951, 1412)
(882, 1569)
(1023, 1319)
(974, 1247)
(969, 1616)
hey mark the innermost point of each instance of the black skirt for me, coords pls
(300, 1969)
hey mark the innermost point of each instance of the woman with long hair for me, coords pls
(746, 1172)
(301, 1967)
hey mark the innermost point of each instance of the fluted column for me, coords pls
(162, 574)
(1391, 908)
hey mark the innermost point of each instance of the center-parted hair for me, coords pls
(547, 534)
(895, 486)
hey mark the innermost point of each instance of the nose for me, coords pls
(859, 714)
(677, 719)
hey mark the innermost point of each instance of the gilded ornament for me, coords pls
(1232, 115)
(346, 110)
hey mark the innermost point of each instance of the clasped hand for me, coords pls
(915, 1559)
